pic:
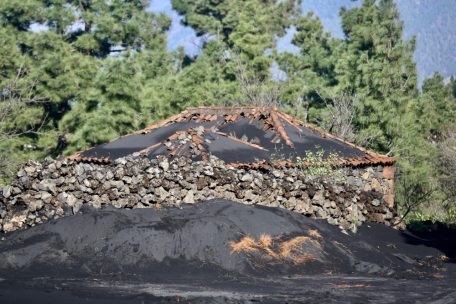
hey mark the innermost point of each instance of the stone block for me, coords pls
(189, 198)
(389, 199)
(391, 186)
(388, 172)
(375, 184)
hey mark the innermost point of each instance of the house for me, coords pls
(252, 155)
(244, 137)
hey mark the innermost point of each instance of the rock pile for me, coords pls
(57, 188)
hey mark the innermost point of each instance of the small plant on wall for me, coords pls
(316, 164)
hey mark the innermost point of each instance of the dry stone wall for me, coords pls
(57, 188)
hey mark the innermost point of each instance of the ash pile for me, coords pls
(213, 239)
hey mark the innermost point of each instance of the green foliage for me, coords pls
(451, 217)
(424, 155)
(379, 65)
(438, 105)
(20, 127)
(446, 166)
(417, 218)
(354, 225)
(312, 69)
(250, 26)
(69, 69)
(208, 80)
(320, 164)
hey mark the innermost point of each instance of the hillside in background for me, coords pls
(434, 25)
(432, 22)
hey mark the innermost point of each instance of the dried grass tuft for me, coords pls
(288, 246)
(266, 240)
(314, 233)
(291, 250)
(246, 244)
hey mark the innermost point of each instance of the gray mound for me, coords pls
(212, 238)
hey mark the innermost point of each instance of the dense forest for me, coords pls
(75, 73)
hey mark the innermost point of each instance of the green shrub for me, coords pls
(315, 164)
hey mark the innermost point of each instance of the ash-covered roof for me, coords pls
(241, 136)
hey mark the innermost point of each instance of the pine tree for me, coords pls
(453, 85)
(438, 105)
(378, 64)
(310, 72)
(206, 80)
(79, 60)
(248, 27)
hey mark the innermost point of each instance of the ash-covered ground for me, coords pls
(221, 252)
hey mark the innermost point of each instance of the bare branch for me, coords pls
(447, 164)
(341, 112)
(14, 99)
(256, 91)
(411, 194)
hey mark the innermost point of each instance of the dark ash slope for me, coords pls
(214, 236)
(216, 250)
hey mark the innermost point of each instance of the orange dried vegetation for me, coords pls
(247, 244)
(314, 233)
(290, 250)
(266, 240)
